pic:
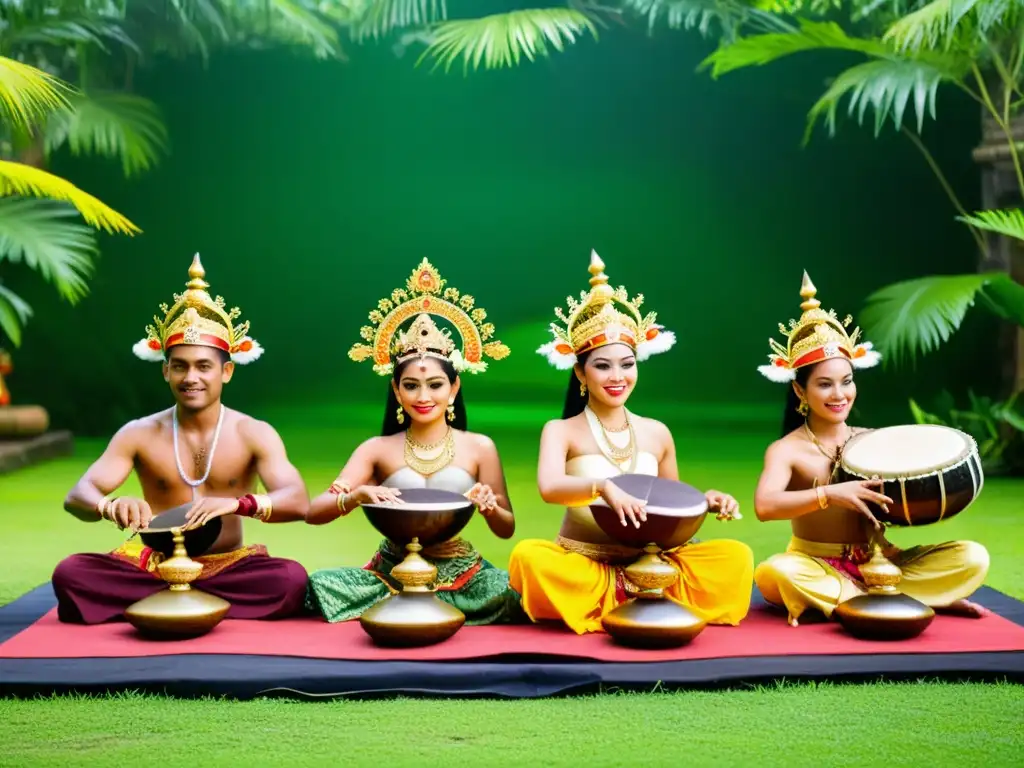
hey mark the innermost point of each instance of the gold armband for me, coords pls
(342, 501)
(105, 502)
(264, 507)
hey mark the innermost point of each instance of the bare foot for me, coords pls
(791, 620)
(965, 608)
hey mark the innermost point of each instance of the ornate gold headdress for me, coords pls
(818, 335)
(198, 319)
(425, 297)
(604, 316)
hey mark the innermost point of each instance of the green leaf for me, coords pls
(50, 240)
(884, 86)
(1005, 297)
(503, 39)
(1003, 222)
(298, 24)
(915, 317)
(932, 26)
(14, 313)
(379, 17)
(28, 94)
(701, 14)
(922, 417)
(115, 125)
(64, 30)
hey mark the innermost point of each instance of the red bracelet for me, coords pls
(247, 505)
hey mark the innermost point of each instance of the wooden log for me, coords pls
(23, 420)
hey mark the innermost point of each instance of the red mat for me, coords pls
(760, 634)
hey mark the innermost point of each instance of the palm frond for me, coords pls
(379, 17)
(116, 125)
(296, 23)
(28, 94)
(702, 14)
(197, 19)
(14, 313)
(63, 30)
(916, 316)
(50, 240)
(1006, 222)
(24, 180)
(938, 24)
(887, 87)
(503, 39)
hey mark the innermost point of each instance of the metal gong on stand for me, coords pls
(415, 616)
(675, 512)
(180, 611)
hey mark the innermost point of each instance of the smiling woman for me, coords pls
(578, 578)
(423, 443)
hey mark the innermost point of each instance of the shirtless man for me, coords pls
(198, 449)
(832, 524)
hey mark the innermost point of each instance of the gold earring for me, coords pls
(583, 389)
(803, 408)
(401, 415)
(451, 412)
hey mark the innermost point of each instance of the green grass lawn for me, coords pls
(789, 725)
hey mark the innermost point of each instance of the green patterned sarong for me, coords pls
(464, 579)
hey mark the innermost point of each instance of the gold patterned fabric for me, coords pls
(817, 575)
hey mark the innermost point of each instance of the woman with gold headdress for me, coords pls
(832, 525)
(578, 578)
(423, 443)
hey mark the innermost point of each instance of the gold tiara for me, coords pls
(423, 298)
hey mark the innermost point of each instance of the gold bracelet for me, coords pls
(105, 502)
(822, 496)
(342, 500)
(264, 507)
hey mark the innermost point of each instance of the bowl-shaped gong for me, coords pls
(675, 512)
(431, 515)
(198, 541)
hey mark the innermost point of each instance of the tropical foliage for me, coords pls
(997, 427)
(66, 70)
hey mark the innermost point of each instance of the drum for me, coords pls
(931, 472)
(675, 512)
(198, 541)
(431, 515)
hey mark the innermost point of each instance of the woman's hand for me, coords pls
(854, 494)
(375, 494)
(725, 506)
(625, 506)
(484, 498)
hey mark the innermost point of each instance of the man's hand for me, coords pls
(126, 512)
(208, 508)
(724, 505)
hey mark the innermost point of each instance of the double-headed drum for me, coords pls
(931, 472)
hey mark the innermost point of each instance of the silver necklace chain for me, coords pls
(209, 462)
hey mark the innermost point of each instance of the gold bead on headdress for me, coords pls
(425, 297)
(603, 316)
(196, 318)
(818, 335)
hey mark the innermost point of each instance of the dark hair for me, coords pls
(223, 356)
(575, 401)
(391, 425)
(791, 418)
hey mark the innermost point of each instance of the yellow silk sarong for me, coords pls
(578, 582)
(802, 577)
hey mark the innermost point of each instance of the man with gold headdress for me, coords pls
(199, 451)
(833, 527)
(579, 577)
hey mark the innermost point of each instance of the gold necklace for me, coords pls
(834, 458)
(429, 459)
(612, 452)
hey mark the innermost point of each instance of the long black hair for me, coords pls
(391, 425)
(575, 401)
(791, 418)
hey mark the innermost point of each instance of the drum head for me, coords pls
(198, 541)
(431, 515)
(675, 511)
(906, 451)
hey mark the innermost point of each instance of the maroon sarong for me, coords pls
(95, 588)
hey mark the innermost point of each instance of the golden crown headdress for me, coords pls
(197, 318)
(604, 315)
(818, 335)
(423, 298)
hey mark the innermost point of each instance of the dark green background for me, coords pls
(312, 189)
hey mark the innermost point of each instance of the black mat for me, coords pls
(246, 677)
